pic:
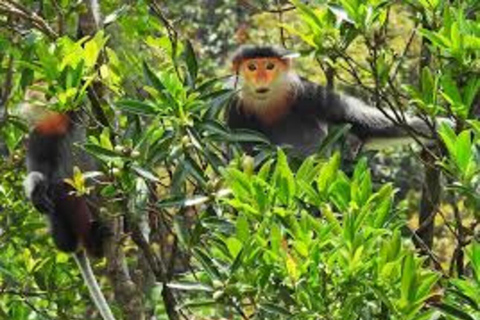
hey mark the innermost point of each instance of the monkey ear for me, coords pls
(287, 59)
(291, 56)
(236, 66)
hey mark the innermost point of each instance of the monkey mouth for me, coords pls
(262, 90)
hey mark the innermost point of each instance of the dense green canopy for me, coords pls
(200, 230)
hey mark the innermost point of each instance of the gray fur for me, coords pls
(313, 110)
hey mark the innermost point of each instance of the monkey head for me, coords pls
(267, 81)
(261, 68)
(34, 109)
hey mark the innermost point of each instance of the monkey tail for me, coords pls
(92, 284)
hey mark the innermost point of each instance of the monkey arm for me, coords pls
(375, 128)
(36, 189)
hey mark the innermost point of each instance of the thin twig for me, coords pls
(172, 33)
(159, 270)
(12, 8)
(428, 251)
(6, 91)
(401, 60)
(280, 20)
(249, 5)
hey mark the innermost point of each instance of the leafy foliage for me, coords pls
(279, 261)
(205, 231)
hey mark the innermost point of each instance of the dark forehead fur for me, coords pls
(251, 52)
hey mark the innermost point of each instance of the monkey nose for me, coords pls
(262, 90)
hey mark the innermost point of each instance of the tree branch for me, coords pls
(16, 10)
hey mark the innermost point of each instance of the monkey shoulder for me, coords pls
(315, 100)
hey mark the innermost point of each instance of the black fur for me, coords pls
(251, 52)
(312, 112)
(72, 223)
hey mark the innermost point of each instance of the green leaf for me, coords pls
(332, 137)
(191, 61)
(144, 173)
(408, 289)
(207, 263)
(182, 230)
(136, 107)
(340, 191)
(234, 246)
(195, 170)
(237, 263)
(327, 173)
(101, 152)
(383, 199)
(330, 217)
(180, 201)
(308, 14)
(471, 90)
(395, 245)
(187, 286)
(283, 178)
(456, 37)
(108, 191)
(451, 93)
(436, 38)
(474, 255)
(340, 13)
(463, 151)
(112, 17)
(239, 182)
(247, 136)
(265, 170)
(92, 50)
(453, 311)
(198, 303)
(308, 191)
(361, 187)
(207, 85)
(274, 308)
(260, 190)
(152, 78)
(242, 228)
(451, 90)
(449, 138)
(276, 238)
(424, 290)
(307, 171)
(466, 291)
(427, 83)
(178, 180)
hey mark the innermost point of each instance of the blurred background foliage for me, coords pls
(203, 232)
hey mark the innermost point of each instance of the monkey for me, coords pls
(292, 111)
(50, 159)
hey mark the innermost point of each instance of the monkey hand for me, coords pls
(36, 189)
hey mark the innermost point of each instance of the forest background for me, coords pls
(200, 235)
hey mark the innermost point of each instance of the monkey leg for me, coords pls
(96, 238)
(65, 229)
(62, 232)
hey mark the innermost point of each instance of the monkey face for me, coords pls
(261, 75)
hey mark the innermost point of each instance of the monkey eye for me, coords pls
(270, 66)
(252, 67)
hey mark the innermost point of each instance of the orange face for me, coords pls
(261, 74)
